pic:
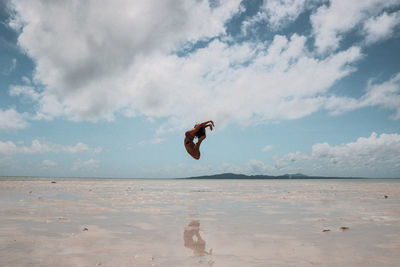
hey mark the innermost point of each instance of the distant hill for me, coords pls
(286, 176)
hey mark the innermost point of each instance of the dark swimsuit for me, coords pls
(189, 137)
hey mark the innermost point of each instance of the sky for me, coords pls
(108, 88)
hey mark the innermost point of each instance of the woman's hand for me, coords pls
(207, 123)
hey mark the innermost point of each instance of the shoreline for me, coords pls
(41, 178)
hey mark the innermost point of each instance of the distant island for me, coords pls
(285, 176)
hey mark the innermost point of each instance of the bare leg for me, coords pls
(196, 149)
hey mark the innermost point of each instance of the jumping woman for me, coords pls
(198, 131)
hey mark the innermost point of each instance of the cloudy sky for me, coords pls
(108, 88)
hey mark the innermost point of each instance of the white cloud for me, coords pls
(9, 148)
(94, 61)
(11, 119)
(28, 92)
(84, 50)
(90, 164)
(154, 141)
(157, 140)
(267, 148)
(26, 80)
(78, 148)
(98, 67)
(37, 147)
(330, 22)
(374, 156)
(385, 95)
(381, 27)
(273, 85)
(280, 12)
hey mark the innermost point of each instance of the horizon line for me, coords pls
(210, 176)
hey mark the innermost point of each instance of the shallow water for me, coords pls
(139, 222)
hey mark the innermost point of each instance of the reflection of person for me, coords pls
(193, 240)
(198, 131)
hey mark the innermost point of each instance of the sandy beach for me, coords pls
(139, 222)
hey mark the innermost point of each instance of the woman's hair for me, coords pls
(201, 132)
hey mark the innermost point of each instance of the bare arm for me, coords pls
(200, 125)
(207, 122)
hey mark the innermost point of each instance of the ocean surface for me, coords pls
(174, 222)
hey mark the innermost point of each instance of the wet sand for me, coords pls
(105, 222)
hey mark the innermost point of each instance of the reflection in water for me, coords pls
(193, 240)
